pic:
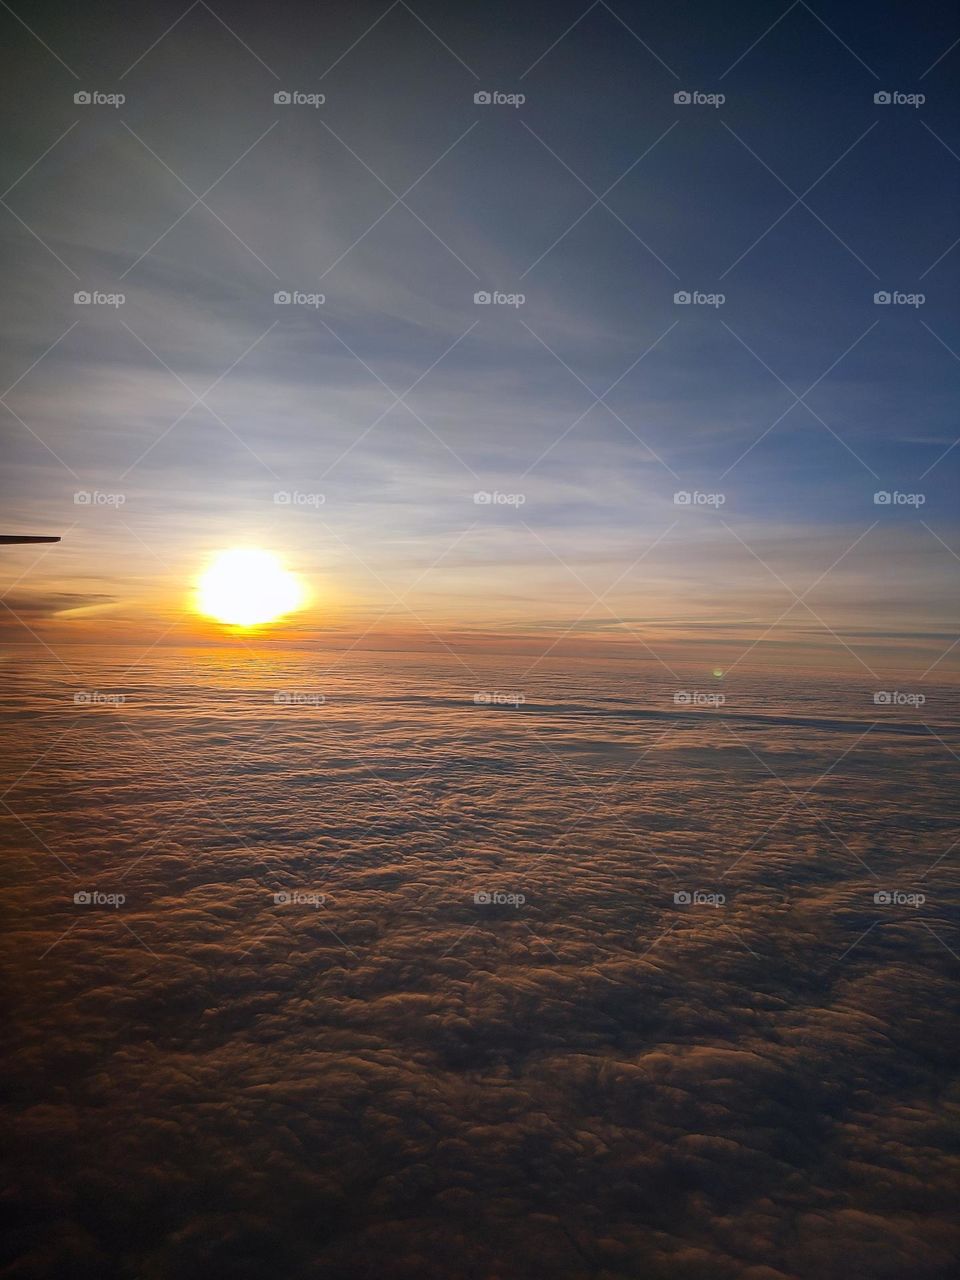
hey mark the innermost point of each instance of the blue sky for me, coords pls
(598, 199)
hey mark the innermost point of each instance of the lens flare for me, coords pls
(248, 587)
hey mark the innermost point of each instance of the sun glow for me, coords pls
(247, 587)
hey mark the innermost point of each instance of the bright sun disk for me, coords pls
(246, 587)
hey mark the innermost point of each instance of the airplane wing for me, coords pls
(7, 538)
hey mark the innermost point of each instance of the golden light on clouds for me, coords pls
(246, 587)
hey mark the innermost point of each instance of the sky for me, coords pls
(584, 409)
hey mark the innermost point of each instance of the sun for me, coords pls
(246, 587)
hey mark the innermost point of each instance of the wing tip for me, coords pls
(7, 538)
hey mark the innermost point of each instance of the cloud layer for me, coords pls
(380, 1075)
